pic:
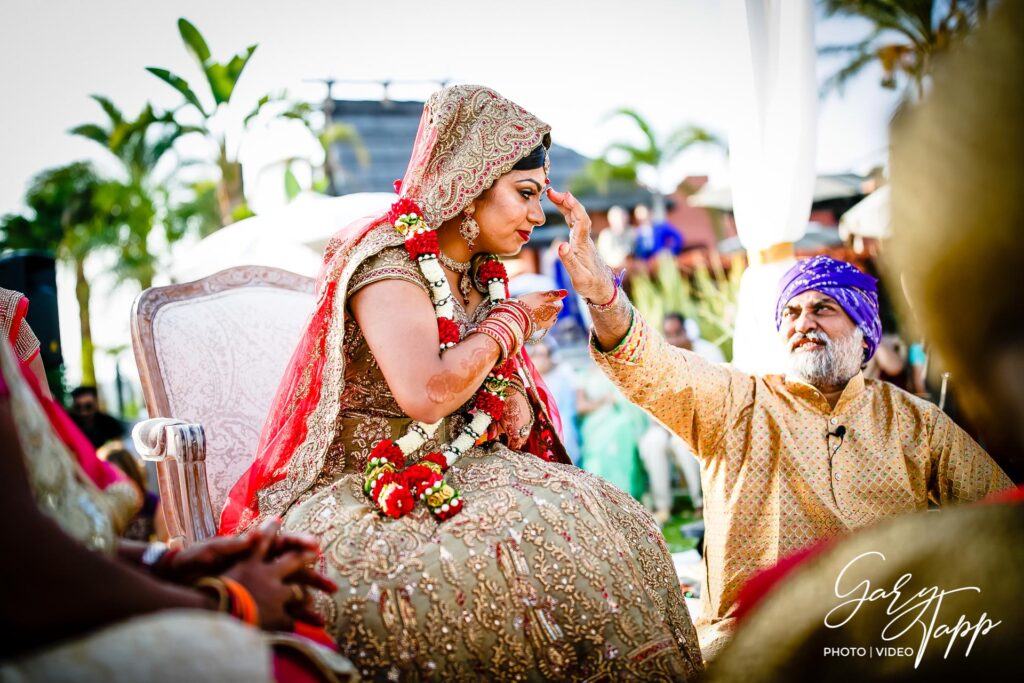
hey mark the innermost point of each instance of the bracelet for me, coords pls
(217, 586)
(516, 315)
(519, 311)
(617, 283)
(243, 606)
(605, 306)
(511, 326)
(162, 566)
(498, 339)
(152, 554)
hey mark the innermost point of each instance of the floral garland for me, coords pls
(387, 480)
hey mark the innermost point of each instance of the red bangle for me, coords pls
(604, 306)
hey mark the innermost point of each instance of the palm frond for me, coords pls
(683, 138)
(837, 81)
(642, 123)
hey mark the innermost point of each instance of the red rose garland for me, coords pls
(387, 480)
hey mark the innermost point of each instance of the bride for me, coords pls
(412, 436)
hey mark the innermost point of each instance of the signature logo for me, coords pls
(910, 610)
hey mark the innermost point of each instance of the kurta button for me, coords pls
(834, 420)
(837, 476)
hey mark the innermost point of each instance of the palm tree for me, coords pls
(67, 216)
(330, 134)
(654, 154)
(905, 38)
(132, 141)
(139, 144)
(221, 79)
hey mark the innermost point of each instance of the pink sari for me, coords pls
(463, 145)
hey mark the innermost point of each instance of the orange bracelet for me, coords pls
(243, 605)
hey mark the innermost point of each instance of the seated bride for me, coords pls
(413, 438)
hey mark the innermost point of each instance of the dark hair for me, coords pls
(673, 315)
(84, 391)
(535, 159)
(126, 462)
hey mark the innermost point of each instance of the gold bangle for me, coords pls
(217, 586)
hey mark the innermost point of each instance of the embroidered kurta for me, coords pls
(776, 478)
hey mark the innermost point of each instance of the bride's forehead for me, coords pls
(535, 175)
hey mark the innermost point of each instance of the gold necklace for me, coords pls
(461, 268)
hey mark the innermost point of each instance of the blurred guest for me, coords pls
(684, 333)
(14, 328)
(97, 426)
(147, 524)
(610, 429)
(654, 238)
(616, 242)
(889, 363)
(561, 381)
(962, 263)
(657, 442)
(121, 497)
(917, 359)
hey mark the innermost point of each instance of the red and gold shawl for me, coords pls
(468, 137)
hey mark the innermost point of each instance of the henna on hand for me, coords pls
(544, 316)
(543, 313)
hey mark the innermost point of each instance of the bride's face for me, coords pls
(509, 211)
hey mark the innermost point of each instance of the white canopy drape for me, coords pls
(772, 138)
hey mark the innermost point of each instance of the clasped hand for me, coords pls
(270, 566)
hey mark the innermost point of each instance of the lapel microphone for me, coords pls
(840, 433)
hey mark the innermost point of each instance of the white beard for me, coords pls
(831, 365)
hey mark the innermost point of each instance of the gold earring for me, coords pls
(469, 229)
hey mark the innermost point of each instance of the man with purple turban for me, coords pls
(827, 312)
(786, 460)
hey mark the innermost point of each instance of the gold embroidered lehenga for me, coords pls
(547, 572)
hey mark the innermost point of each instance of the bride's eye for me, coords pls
(526, 193)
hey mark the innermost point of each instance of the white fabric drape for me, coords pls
(772, 140)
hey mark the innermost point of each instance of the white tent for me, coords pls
(771, 156)
(292, 237)
(870, 217)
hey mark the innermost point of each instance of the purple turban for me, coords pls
(855, 291)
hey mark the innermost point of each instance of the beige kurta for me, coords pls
(774, 480)
(548, 573)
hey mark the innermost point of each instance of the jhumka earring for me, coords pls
(469, 229)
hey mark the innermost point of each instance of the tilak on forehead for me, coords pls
(854, 291)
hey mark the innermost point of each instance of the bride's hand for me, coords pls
(516, 420)
(544, 307)
(591, 278)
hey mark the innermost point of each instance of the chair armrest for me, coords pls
(179, 450)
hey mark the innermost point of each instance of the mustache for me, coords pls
(813, 335)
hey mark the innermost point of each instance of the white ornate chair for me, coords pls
(210, 355)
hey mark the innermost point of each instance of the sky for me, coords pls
(570, 62)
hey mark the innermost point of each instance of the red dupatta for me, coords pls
(468, 137)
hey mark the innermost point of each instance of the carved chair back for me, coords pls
(212, 352)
